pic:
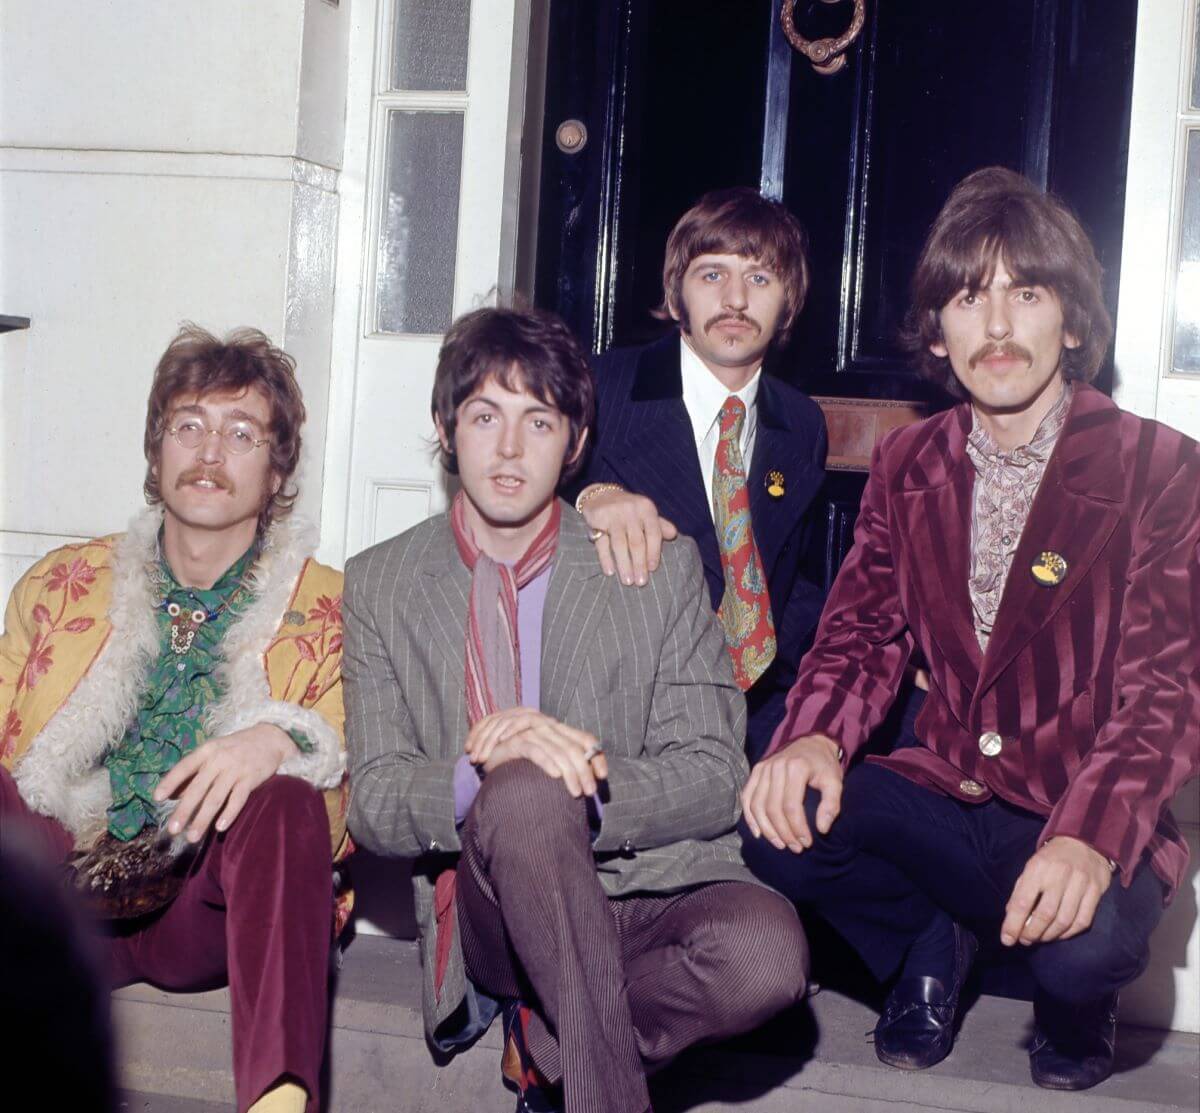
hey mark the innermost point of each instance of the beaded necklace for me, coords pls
(185, 624)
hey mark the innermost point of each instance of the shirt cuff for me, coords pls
(301, 740)
(466, 788)
(595, 814)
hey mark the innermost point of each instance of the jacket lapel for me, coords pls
(1074, 513)
(447, 596)
(577, 597)
(934, 513)
(778, 447)
(655, 452)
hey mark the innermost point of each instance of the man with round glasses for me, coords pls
(171, 707)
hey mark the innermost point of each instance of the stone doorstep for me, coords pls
(132, 1101)
(178, 1045)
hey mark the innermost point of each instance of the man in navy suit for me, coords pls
(690, 428)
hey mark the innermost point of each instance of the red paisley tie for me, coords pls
(745, 610)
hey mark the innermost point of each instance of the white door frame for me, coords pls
(356, 476)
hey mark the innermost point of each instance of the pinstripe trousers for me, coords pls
(616, 985)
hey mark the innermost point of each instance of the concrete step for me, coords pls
(129, 1101)
(175, 1048)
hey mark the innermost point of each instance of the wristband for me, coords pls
(589, 493)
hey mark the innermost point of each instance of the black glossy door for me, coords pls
(681, 96)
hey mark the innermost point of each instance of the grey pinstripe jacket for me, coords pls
(644, 669)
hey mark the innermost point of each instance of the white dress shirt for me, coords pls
(703, 396)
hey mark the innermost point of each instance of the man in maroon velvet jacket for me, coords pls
(1036, 549)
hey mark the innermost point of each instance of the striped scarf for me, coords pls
(493, 657)
(493, 670)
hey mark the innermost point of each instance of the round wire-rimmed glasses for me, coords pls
(237, 437)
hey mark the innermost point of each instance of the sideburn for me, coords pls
(266, 510)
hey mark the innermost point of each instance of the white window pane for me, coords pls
(1186, 347)
(414, 287)
(1195, 97)
(429, 44)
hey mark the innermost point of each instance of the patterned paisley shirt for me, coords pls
(180, 688)
(1005, 485)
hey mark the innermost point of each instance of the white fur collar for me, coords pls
(61, 774)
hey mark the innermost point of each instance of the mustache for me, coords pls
(1007, 349)
(741, 318)
(213, 475)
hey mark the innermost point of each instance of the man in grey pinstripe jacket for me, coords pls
(576, 856)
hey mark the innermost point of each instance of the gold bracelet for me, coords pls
(590, 492)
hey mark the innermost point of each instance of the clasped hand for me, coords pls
(219, 776)
(558, 750)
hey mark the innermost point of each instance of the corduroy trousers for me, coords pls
(617, 985)
(253, 914)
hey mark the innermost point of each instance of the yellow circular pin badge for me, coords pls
(1049, 570)
(775, 487)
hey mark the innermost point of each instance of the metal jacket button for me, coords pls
(990, 743)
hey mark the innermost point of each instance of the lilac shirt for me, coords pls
(531, 603)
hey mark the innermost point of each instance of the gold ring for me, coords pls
(596, 534)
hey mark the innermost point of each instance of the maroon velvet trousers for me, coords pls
(254, 914)
(617, 986)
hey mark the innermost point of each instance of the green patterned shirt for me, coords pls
(180, 688)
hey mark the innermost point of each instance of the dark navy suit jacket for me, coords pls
(643, 440)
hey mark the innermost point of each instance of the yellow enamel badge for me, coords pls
(775, 486)
(1049, 570)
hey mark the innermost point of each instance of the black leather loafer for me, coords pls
(1073, 1045)
(920, 1016)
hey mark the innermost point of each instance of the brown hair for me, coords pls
(197, 363)
(738, 221)
(531, 346)
(996, 214)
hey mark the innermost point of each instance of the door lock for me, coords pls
(571, 136)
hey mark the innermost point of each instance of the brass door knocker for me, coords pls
(827, 55)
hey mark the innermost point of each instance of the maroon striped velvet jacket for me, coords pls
(1092, 685)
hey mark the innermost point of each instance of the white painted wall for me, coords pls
(1168, 994)
(160, 160)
